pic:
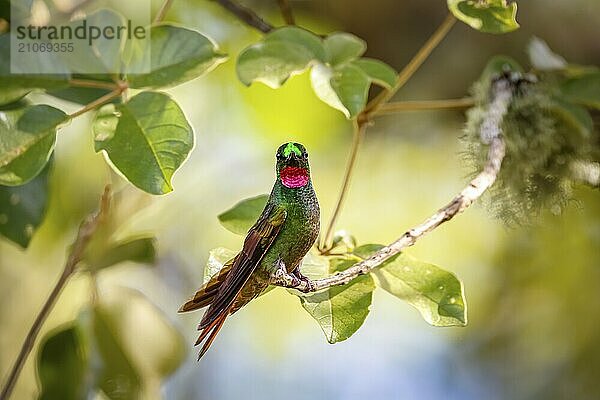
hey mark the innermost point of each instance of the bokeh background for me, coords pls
(532, 291)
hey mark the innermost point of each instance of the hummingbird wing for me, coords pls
(260, 237)
(206, 294)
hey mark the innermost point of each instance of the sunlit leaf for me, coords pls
(542, 57)
(339, 310)
(351, 86)
(240, 218)
(341, 47)
(177, 55)
(435, 293)
(378, 71)
(147, 139)
(27, 136)
(22, 208)
(217, 258)
(491, 16)
(63, 364)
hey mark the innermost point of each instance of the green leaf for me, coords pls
(27, 137)
(284, 52)
(340, 310)
(139, 250)
(11, 95)
(146, 343)
(177, 55)
(84, 95)
(22, 208)
(341, 47)
(351, 85)
(491, 16)
(435, 293)
(240, 218)
(62, 364)
(104, 55)
(147, 139)
(378, 71)
(117, 377)
(14, 83)
(583, 89)
(217, 258)
(542, 57)
(576, 117)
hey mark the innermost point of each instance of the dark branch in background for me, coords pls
(491, 134)
(246, 15)
(286, 12)
(86, 231)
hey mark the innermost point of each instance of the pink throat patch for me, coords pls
(294, 177)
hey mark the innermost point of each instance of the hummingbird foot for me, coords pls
(308, 286)
(281, 277)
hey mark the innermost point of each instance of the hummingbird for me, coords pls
(273, 248)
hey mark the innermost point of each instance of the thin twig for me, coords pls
(414, 64)
(164, 8)
(86, 83)
(448, 104)
(374, 106)
(85, 233)
(286, 12)
(97, 103)
(491, 134)
(359, 130)
(246, 15)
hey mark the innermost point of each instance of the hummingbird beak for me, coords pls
(292, 159)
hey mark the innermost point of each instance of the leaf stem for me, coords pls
(421, 105)
(98, 102)
(490, 134)
(359, 130)
(87, 83)
(246, 15)
(85, 233)
(408, 71)
(286, 12)
(162, 12)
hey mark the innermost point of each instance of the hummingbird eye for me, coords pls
(305, 155)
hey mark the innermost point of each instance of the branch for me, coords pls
(491, 134)
(449, 104)
(359, 130)
(246, 15)
(85, 233)
(121, 87)
(164, 8)
(286, 12)
(373, 107)
(412, 67)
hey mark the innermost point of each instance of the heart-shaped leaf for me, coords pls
(240, 218)
(147, 139)
(339, 310)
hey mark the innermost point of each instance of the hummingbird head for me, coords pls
(292, 165)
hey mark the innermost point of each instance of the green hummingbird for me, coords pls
(274, 246)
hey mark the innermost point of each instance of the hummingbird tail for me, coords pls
(206, 294)
(210, 333)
